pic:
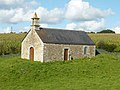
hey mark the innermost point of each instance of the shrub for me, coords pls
(117, 49)
(10, 43)
(105, 46)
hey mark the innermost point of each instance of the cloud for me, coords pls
(88, 26)
(79, 10)
(8, 4)
(72, 26)
(27, 28)
(17, 15)
(116, 29)
(5, 30)
(88, 17)
(14, 16)
(14, 11)
(53, 16)
(44, 25)
(24, 29)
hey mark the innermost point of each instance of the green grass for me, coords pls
(98, 73)
(11, 43)
(107, 38)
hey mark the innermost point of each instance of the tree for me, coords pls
(106, 31)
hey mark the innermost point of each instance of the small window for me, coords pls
(85, 50)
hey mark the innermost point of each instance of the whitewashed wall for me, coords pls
(32, 40)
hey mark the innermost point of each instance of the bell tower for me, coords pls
(35, 21)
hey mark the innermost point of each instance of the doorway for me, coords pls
(65, 54)
(31, 54)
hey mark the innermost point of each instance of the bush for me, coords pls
(117, 49)
(8, 47)
(105, 46)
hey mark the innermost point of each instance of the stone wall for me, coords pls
(53, 52)
(32, 40)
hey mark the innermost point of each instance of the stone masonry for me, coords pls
(56, 51)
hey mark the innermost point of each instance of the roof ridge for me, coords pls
(62, 29)
(58, 36)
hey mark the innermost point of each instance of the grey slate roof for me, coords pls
(59, 36)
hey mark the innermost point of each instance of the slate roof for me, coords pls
(60, 36)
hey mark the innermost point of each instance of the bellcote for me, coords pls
(35, 21)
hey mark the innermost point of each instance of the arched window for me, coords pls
(85, 50)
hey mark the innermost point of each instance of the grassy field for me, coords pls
(108, 42)
(98, 73)
(107, 38)
(11, 43)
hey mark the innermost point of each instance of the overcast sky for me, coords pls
(86, 15)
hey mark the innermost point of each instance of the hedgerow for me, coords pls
(10, 43)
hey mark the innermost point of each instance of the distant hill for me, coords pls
(106, 31)
(107, 38)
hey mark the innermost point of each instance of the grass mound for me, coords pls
(99, 73)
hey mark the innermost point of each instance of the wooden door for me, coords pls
(65, 54)
(31, 54)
